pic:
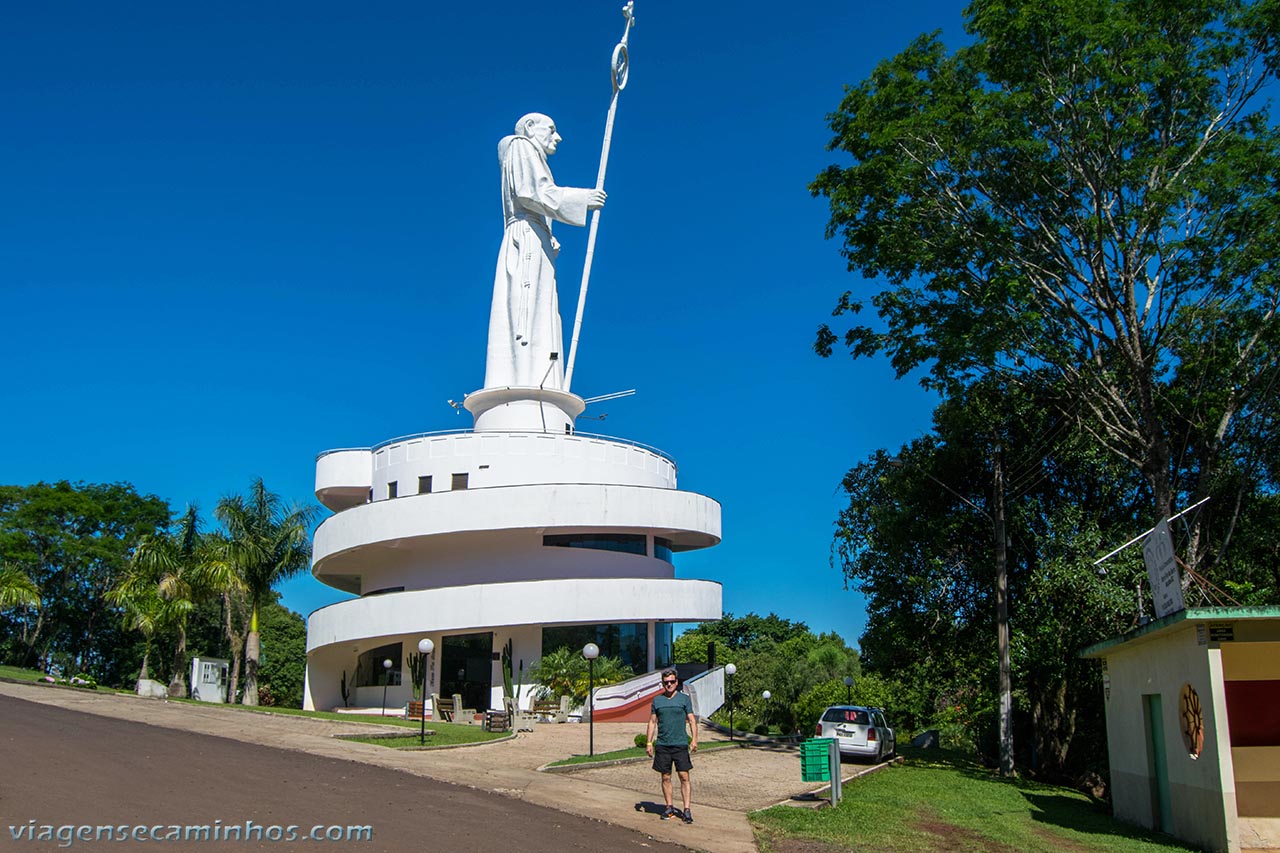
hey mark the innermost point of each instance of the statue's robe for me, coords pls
(524, 322)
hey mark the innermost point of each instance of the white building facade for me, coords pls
(510, 532)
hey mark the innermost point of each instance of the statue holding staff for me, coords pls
(525, 340)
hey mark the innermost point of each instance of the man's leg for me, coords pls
(666, 785)
(685, 788)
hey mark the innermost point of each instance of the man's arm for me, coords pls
(651, 733)
(692, 720)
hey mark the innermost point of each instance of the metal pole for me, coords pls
(422, 734)
(591, 703)
(731, 708)
(618, 74)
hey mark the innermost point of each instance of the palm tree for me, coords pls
(16, 589)
(186, 571)
(266, 542)
(144, 611)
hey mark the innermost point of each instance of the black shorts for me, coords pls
(663, 756)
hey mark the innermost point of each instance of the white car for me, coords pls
(861, 732)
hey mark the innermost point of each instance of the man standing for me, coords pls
(525, 342)
(669, 716)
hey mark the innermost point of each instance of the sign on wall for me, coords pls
(1162, 570)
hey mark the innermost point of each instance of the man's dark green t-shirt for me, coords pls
(672, 714)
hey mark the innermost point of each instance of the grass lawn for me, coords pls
(446, 734)
(629, 752)
(21, 674)
(939, 801)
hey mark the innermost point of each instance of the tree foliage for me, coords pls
(771, 653)
(265, 542)
(1088, 188)
(73, 542)
(565, 672)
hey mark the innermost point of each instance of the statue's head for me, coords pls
(541, 129)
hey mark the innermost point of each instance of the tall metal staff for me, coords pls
(618, 74)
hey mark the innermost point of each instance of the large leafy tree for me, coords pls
(1090, 187)
(265, 542)
(916, 540)
(74, 542)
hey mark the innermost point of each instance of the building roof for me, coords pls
(1173, 620)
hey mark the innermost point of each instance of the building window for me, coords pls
(393, 489)
(424, 485)
(460, 481)
(369, 669)
(627, 543)
(662, 644)
(662, 549)
(628, 642)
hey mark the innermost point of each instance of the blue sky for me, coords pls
(234, 236)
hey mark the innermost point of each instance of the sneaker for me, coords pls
(670, 813)
(688, 816)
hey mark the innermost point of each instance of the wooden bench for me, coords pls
(554, 710)
(441, 709)
(415, 710)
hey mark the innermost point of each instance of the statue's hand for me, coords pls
(595, 199)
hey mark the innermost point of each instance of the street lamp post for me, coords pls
(848, 690)
(730, 671)
(425, 648)
(591, 651)
(996, 517)
(386, 676)
(766, 695)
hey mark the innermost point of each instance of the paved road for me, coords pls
(64, 768)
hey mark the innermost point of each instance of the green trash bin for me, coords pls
(815, 759)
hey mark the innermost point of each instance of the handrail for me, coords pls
(443, 432)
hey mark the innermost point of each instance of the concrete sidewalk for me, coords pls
(726, 783)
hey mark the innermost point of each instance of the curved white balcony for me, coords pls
(690, 520)
(483, 606)
(343, 478)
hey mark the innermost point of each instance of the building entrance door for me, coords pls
(466, 667)
(1157, 764)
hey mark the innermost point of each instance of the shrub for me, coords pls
(642, 741)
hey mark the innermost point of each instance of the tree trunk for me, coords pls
(237, 648)
(251, 649)
(178, 683)
(143, 674)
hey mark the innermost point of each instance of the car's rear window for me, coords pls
(846, 715)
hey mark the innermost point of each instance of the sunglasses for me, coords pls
(668, 681)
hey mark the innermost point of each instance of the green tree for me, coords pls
(184, 571)
(564, 672)
(282, 670)
(1089, 187)
(265, 543)
(73, 542)
(923, 557)
(733, 634)
(16, 589)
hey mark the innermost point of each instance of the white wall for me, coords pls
(1202, 790)
(476, 608)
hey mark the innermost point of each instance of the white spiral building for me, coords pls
(520, 530)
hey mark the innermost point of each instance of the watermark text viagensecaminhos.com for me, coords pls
(67, 835)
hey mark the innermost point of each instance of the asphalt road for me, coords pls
(68, 770)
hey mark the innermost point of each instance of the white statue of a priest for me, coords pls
(524, 323)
